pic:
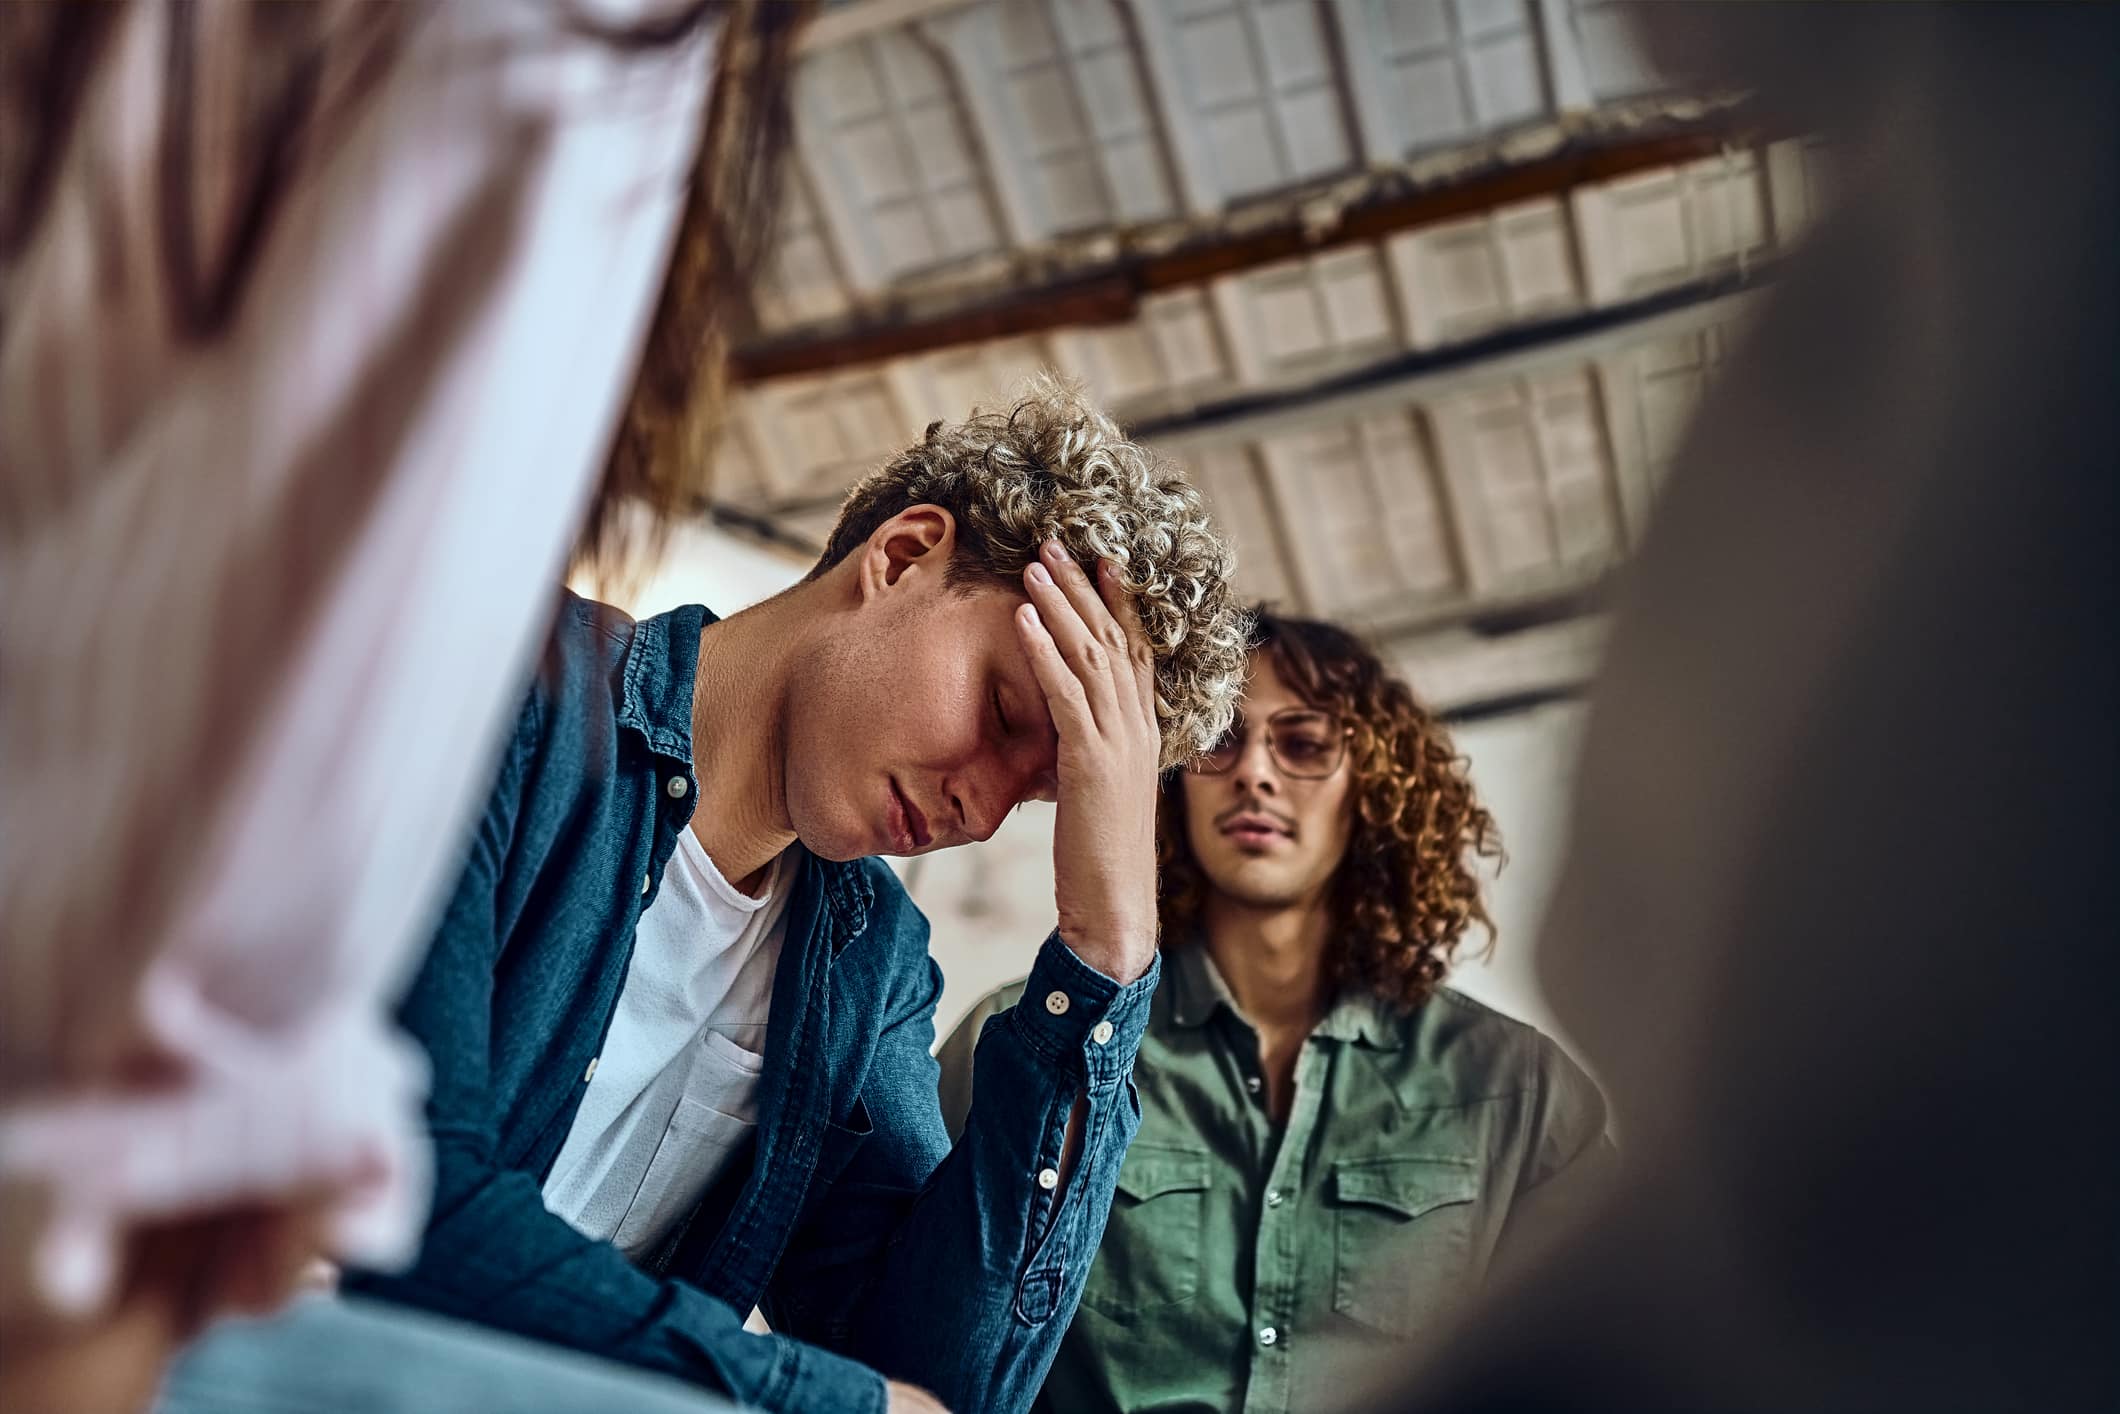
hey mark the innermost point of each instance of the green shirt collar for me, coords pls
(1198, 992)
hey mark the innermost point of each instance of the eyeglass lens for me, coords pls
(1304, 744)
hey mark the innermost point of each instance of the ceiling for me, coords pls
(1421, 291)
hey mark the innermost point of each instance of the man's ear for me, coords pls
(918, 540)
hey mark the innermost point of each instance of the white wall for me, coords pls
(702, 564)
(1523, 766)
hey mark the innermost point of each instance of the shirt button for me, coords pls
(1251, 1083)
(1048, 1179)
(1268, 1335)
(1273, 1197)
(1056, 1003)
(590, 1074)
(677, 787)
(1101, 1033)
(647, 882)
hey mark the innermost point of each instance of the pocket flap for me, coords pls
(1408, 1186)
(857, 1125)
(839, 1144)
(1150, 1171)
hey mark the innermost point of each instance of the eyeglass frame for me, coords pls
(1197, 765)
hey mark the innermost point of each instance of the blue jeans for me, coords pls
(326, 1354)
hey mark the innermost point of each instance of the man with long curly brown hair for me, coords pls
(1333, 1144)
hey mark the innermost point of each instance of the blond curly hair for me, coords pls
(1053, 466)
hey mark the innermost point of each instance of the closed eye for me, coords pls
(1001, 716)
(1045, 788)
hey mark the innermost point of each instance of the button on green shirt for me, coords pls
(1249, 1266)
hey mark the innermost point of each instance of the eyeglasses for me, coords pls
(1306, 744)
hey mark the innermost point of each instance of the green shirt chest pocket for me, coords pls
(1150, 1257)
(1402, 1240)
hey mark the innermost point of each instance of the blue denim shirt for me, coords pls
(874, 1247)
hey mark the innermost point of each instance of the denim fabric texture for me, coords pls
(874, 1247)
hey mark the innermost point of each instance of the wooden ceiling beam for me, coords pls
(1113, 295)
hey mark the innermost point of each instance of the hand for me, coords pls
(910, 1399)
(248, 1262)
(1092, 658)
(179, 1276)
(109, 1362)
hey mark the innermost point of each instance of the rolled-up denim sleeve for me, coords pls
(984, 1252)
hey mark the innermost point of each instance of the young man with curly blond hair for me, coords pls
(680, 1017)
(1333, 1144)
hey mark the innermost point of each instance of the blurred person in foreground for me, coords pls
(1836, 927)
(317, 323)
(680, 1014)
(1333, 1143)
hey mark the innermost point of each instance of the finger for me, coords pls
(279, 1246)
(176, 1264)
(1084, 594)
(246, 1260)
(1065, 698)
(1085, 654)
(1090, 590)
(1140, 652)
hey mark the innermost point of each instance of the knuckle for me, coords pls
(1093, 657)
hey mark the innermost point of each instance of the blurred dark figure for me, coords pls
(1837, 926)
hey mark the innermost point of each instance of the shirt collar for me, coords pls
(1197, 988)
(662, 662)
(1362, 1016)
(1198, 992)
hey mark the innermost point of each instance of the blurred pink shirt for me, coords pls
(267, 599)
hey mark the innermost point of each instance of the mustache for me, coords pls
(1252, 806)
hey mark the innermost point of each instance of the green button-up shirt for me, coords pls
(1250, 1266)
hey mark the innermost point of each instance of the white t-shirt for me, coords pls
(675, 1091)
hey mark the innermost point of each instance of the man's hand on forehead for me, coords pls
(1094, 664)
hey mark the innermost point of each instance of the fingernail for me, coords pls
(1057, 551)
(1039, 573)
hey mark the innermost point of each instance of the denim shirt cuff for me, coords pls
(1069, 1009)
(806, 1377)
